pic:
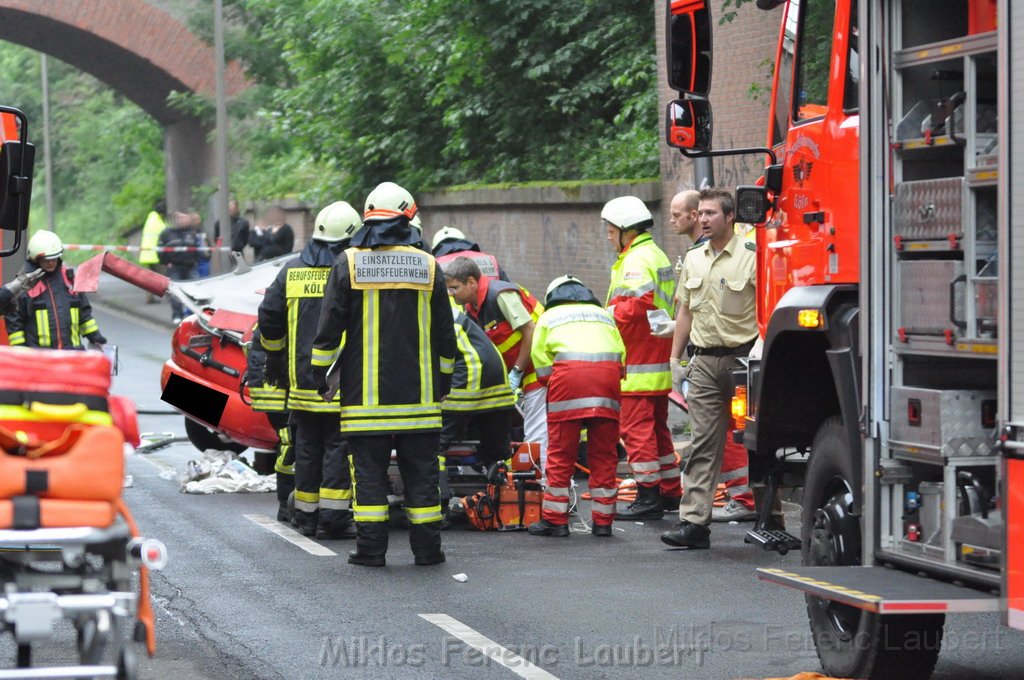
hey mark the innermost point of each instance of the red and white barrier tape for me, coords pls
(135, 249)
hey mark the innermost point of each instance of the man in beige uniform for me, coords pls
(716, 305)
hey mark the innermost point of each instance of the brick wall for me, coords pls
(539, 233)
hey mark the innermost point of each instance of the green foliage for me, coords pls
(431, 93)
(107, 153)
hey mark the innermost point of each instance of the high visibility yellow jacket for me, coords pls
(151, 231)
(391, 304)
(642, 280)
(265, 398)
(288, 318)
(578, 353)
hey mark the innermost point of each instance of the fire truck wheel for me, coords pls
(205, 439)
(853, 643)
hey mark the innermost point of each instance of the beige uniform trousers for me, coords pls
(710, 399)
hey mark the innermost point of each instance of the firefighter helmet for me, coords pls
(336, 222)
(44, 244)
(416, 224)
(446, 234)
(389, 201)
(568, 289)
(627, 212)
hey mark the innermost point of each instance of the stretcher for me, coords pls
(69, 548)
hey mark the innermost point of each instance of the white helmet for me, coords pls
(336, 222)
(627, 212)
(44, 244)
(445, 234)
(388, 201)
(416, 224)
(568, 278)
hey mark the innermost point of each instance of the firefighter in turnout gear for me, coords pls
(272, 399)
(288, 317)
(51, 314)
(578, 353)
(450, 243)
(642, 281)
(388, 299)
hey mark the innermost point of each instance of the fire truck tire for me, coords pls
(853, 643)
(207, 440)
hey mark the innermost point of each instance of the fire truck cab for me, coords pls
(887, 383)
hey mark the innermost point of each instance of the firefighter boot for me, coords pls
(285, 487)
(670, 503)
(647, 505)
(335, 525)
(546, 528)
(371, 544)
(305, 522)
(425, 541)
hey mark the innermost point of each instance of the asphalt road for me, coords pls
(238, 600)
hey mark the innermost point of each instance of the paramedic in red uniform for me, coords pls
(578, 353)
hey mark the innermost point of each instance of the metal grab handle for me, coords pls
(962, 325)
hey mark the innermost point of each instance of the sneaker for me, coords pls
(733, 511)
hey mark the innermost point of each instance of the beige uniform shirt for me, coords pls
(719, 291)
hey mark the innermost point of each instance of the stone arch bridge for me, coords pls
(144, 51)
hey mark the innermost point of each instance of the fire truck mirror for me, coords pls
(688, 124)
(689, 47)
(15, 184)
(751, 204)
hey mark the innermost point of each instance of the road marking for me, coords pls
(157, 462)
(290, 535)
(488, 647)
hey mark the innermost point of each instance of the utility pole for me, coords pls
(47, 161)
(222, 121)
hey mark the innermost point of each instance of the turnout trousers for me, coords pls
(652, 457)
(563, 448)
(323, 484)
(417, 463)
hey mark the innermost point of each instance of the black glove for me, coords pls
(98, 339)
(276, 372)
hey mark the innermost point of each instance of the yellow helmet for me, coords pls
(444, 234)
(627, 212)
(44, 244)
(336, 222)
(387, 201)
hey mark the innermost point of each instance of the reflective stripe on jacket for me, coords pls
(396, 363)
(578, 353)
(490, 317)
(288, 318)
(51, 314)
(642, 281)
(480, 381)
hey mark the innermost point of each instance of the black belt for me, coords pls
(724, 351)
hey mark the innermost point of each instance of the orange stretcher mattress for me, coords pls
(55, 513)
(86, 465)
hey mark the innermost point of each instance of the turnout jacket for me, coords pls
(480, 381)
(642, 281)
(389, 300)
(288, 318)
(51, 314)
(578, 353)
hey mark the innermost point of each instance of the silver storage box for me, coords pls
(929, 210)
(943, 423)
(924, 287)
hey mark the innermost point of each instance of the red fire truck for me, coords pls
(887, 382)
